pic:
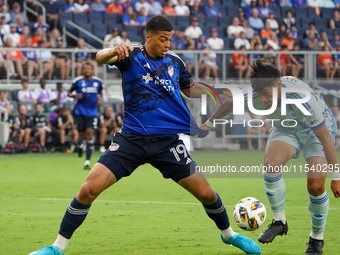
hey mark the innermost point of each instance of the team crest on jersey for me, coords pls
(114, 147)
(83, 83)
(171, 71)
(95, 84)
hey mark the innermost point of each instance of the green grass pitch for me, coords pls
(144, 213)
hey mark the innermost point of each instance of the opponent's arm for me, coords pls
(329, 149)
(110, 56)
(198, 89)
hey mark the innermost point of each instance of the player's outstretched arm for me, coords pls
(109, 56)
(328, 146)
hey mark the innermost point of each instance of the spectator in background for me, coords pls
(240, 15)
(19, 21)
(25, 94)
(208, 64)
(155, 7)
(300, 58)
(81, 6)
(16, 10)
(83, 56)
(245, 3)
(168, 9)
(247, 29)
(254, 21)
(193, 31)
(52, 13)
(289, 19)
(273, 23)
(143, 4)
(39, 125)
(115, 8)
(126, 4)
(201, 42)
(53, 36)
(43, 95)
(271, 57)
(334, 23)
(196, 10)
(242, 41)
(98, 7)
(272, 42)
(211, 9)
(4, 27)
(62, 61)
(311, 42)
(256, 56)
(313, 28)
(282, 32)
(189, 57)
(293, 30)
(31, 59)
(15, 56)
(38, 36)
(266, 31)
(107, 126)
(181, 9)
(60, 96)
(249, 8)
(241, 63)
(336, 58)
(256, 39)
(111, 40)
(325, 61)
(288, 41)
(123, 37)
(234, 29)
(286, 3)
(142, 17)
(13, 35)
(337, 4)
(178, 40)
(40, 23)
(263, 9)
(4, 13)
(272, 3)
(299, 3)
(45, 56)
(69, 6)
(324, 41)
(3, 98)
(23, 121)
(214, 42)
(314, 3)
(129, 18)
(336, 39)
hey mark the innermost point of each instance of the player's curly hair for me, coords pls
(158, 23)
(263, 75)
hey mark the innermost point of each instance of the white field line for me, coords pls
(136, 202)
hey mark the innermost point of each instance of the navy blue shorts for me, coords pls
(165, 152)
(84, 122)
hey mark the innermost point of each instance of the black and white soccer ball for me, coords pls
(249, 213)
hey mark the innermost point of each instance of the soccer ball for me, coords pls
(249, 213)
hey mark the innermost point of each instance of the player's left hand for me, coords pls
(335, 186)
(205, 128)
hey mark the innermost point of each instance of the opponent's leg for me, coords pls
(99, 179)
(276, 155)
(89, 147)
(318, 203)
(198, 185)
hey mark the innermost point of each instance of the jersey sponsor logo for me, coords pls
(114, 147)
(147, 78)
(147, 65)
(171, 71)
(89, 90)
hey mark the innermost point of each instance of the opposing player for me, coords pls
(88, 92)
(154, 113)
(313, 133)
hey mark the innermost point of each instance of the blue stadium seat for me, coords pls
(320, 23)
(97, 19)
(110, 18)
(301, 13)
(285, 9)
(311, 12)
(72, 29)
(64, 17)
(173, 20)
(183, 22)
(327, 13)
(111, 26)
(231, 10)
(99, 31)
(212, 21)
(93, 42)
(87, 27)
(134, 33)
(276, 10)
(80, 18)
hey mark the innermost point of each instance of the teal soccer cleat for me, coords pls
(48, 250)
(245, 244)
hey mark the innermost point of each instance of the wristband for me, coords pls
(335, 175)
(209, 124)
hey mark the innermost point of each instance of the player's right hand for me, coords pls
(122, 50)
(335, 186)
(78, 96)
(205, 128)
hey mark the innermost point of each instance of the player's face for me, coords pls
(266, 95)
(87, 71)
(158, 44)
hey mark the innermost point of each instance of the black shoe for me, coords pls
(80, 150)
(274, 229)
(314, 247)
(87, 167)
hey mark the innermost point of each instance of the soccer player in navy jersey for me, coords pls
(152, 79)
(88, 92)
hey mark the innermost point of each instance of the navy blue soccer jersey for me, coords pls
(87, 105)
(152, 100)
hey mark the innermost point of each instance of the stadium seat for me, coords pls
(30, 107)
(110, 18)
(285, 9)
(15, 109)
(69, 105)
(183, 22)
(64, 17)
(134, 33)
(327, 13)
(72, 29)
(301, 13)
(320, 22)
(173, 20)
(212, 22)
(111, 26)
(97, 19)
(99, 31)
(80, 18)
(311, 12)
(87, 27)
(276, 10)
